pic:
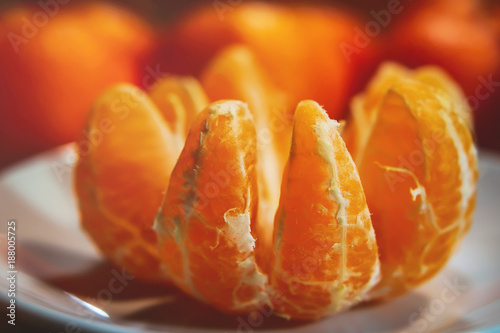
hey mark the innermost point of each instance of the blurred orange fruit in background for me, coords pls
(55, 61)
(453, 34)
(305, 50)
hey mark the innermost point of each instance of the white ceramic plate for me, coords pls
(62, 281)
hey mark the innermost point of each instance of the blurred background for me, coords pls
(56, 56)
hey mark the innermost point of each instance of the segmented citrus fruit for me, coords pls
(325, 255)
(364, 107)
(235, 73)
(207, 224)
(418, 166)
(118, 185)
(194, 198)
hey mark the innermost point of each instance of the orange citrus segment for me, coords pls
(419, 172)
(207, 224)
(325, 254)
(179, 99)
(119, 189)
(364, 107)
(236, 74)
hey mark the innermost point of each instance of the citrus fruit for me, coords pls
(310, 52)
(119, 190)
(452, 34)
(207, 223)
(418, 166)
(364, 107)
(193, 207)
(325, 255)
(236, 74)
(56, 59)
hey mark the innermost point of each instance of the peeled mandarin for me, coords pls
(325, 255)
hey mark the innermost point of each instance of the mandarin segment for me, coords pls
(364, 107)
(207, 224)
(179, 99)
(236, 74)
(118, 187)
(325, 256)
(421, 187)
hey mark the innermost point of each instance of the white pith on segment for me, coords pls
(237, 228)
(450, 118)
(238, 232)
(327, 151)
(340, 296)
(138, 101)
(467, 180)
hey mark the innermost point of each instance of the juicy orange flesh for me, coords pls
(364, 107)
(122, 180)
(179, 99)
(111, 181)
(418, 175)
(322, 210)
(210, 208)
(236, 74)
(411, 140)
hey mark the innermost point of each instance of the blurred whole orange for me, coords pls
(310, 52)
(55, 58)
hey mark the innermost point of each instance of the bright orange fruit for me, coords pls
(325, 253)
(119, 189)
(207, 223)
(411, 137)
(52, 69)
(236, 74)
(365, 106)
(418, 165)
(308, 51)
